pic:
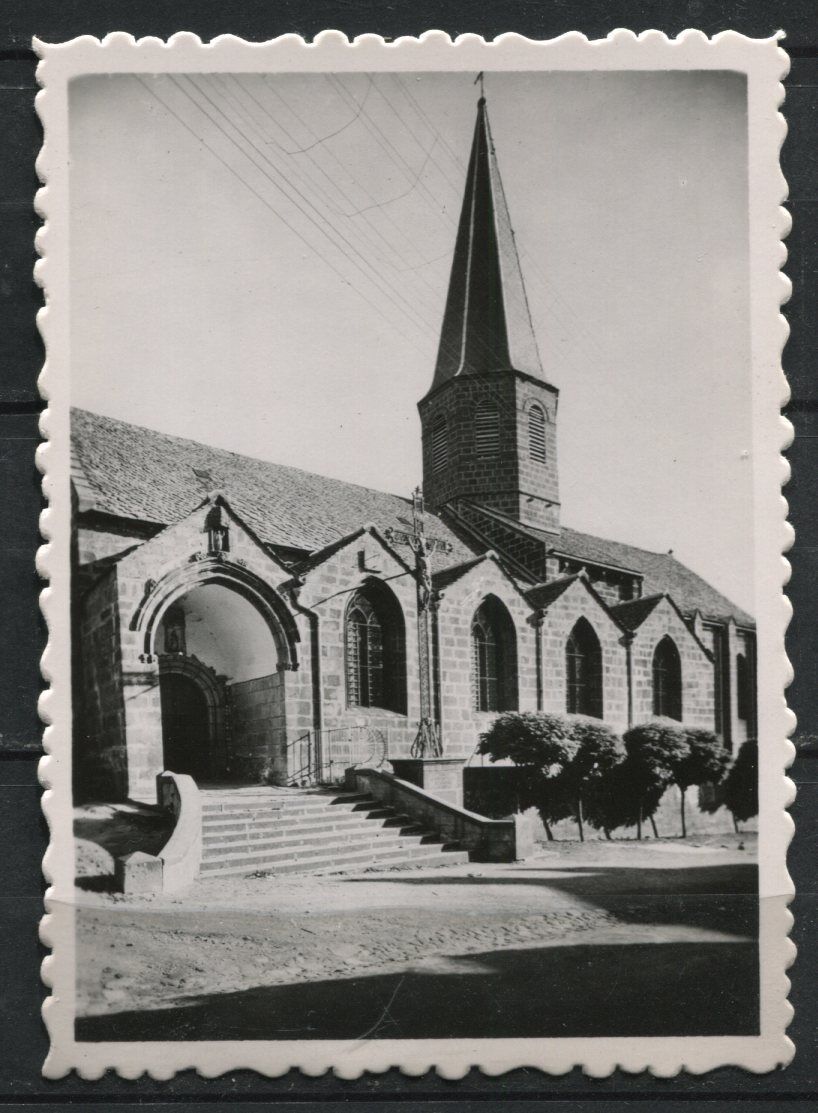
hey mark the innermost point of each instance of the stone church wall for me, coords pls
(461, 724)
(99, 713)
(327, 592)
(95, 544)
(490, 479)
(258, 729)
(698, 693)
(540, 480)
(561, 616)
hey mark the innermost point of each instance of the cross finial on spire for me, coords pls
(482, 88)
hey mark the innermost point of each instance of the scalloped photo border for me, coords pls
(765, 65)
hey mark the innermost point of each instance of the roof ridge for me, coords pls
(624, 544)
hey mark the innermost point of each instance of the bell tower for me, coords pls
(489, 419)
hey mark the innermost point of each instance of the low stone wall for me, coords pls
(489, 840)
(181, 855)
(176, 866)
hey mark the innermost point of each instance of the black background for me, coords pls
(23, 834)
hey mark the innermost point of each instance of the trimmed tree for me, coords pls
(654, 751)
(741, 784)
(540, 744)
(706, 763)
(621, 798)
(596, 754)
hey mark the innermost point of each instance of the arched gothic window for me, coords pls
(667, 680)
(583, 671)
(536, 434)
(494, 658)
(487, 429)
(440, 448)
(375, 653)
(743, 697)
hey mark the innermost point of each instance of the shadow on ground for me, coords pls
(669, 989)
(104, 832)
(714, 898)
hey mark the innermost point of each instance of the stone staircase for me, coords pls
(285, 830)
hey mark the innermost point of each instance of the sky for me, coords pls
(260, 262)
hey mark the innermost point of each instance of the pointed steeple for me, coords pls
(487, 324)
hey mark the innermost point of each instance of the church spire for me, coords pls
(487, 324)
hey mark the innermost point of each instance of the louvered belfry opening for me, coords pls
(487, 429)
(536, 434)
(440, 446)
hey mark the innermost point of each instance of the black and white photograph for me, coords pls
(416, 589)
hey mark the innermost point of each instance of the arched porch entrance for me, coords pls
(221, 659)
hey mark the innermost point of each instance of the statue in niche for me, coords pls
(218, 532)
(174, 626)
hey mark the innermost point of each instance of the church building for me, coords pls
(246, 622)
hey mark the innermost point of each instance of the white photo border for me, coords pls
(765, 64)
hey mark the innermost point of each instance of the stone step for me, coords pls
(384, 836)
(345, 862)
(275, 806)
(329, 828)
(372, 848)
(327, 815)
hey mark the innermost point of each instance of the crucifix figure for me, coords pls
(427, 740)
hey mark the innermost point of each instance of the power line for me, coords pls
(325, 150)
(199, 138)
(367, 231)
(389, 291)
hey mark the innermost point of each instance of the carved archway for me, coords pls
(163, 593)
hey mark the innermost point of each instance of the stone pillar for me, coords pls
(143, 730)
(439, 776)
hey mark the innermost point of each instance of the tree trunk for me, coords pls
(607, 834)
(735, 825)
(639, 824)
(548, 833)
(579, 819)
(684, 823)
(653, 827)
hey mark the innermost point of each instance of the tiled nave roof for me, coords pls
(135, 473)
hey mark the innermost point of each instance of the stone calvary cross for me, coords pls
(427, 742)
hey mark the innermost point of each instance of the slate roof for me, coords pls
(449, 575)
(133, 472)
(633, 614)
(542, 595)
(487, 324)
(663, 574)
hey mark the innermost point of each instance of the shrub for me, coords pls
(620, 799)
(597, 752)
(654, 752)
(741, 784)
(706, 763)
(541, 745)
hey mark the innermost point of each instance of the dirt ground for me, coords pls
(586, 939)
